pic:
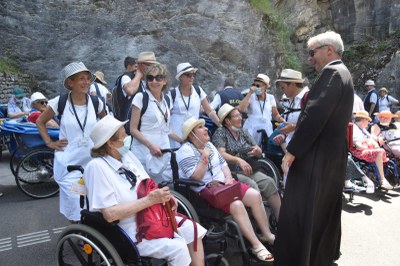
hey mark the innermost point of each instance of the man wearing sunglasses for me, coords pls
(38, 105)
(18, 105)
(315, 163)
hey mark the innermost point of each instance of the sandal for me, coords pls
(262, 253)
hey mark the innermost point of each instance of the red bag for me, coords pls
(218, 195)
(154, 221)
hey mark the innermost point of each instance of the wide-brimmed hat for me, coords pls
(362, 114)
(224, 111)
(155, 166)
(369, 83)
(74, 68)
(386, 114)
(147, 57)
(263, 78)
(104, 130)
(189, 124)
(290, 75)
(383, 89)
(100, 76)
(37, 96)
(18, 92)
(183, 68)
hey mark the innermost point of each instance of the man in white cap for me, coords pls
(371, 104)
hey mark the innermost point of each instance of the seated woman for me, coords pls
(230, 140)
(386, 132)
(18, 105)
(366, 148)
(110, 192)
(198, 159)
(38, 105)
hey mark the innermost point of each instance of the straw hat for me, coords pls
(183, 68)
(100, 76)
(37, 96)
(189, 124)
(362, 114)
(147, 57)
(224, 111)
(72, 69)
(369, 83)
(386, 114)
(263, 78)
(290, 75)
(383, 89)
(104, 130)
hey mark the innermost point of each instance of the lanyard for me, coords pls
(76, 115)
(183, 99)
(165, 115)
(209, 166)
(263, 107)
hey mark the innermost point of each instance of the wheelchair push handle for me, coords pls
(71, 168)
(169, 209)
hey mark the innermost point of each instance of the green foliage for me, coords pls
(8, 66)
(276, 20)
(384, 45)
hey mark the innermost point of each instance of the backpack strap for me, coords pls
(95, 101)
(99, 94)
(173, 95)
(197, 89)
(63, 101)
(173, 92)
(145, 104)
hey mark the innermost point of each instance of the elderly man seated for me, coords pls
(386, 132)
(235, 145)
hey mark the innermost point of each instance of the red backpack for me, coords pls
(154, 221)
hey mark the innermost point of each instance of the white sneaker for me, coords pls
(348, 186)
(370, 188)
(386, 185)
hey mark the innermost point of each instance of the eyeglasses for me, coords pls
(256, 85)
(190, 75)
(237, 116)
(158, 78)
(312, 52)
(20, 98)
(42, 102)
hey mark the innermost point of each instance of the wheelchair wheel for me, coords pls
(391, 174)
(15, 158)
(216, 259)
(185, 207)
(267, 167)
(34, 174)
(81, 245)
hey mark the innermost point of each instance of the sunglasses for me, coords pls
(42, 102)
(158, 78)
(190, 75)
(312, 52)
(255, 85)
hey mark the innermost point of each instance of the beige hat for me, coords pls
(37, 96)
(100, 76)
(369, 83)
(386, 114)
(290, 75)
(383, 89)
(263, 78)
(183, 68)
(224, 111)
(104, 130)
(362, 114)
(189, 124)
(147, 57)
(72, 69)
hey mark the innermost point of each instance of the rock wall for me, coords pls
(9, 81)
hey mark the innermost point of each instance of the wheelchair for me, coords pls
(31, 162)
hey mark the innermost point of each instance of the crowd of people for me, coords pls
(146, 118)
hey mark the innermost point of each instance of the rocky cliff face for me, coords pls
(225, 38)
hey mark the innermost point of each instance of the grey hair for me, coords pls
(161, 70)
(328, 38)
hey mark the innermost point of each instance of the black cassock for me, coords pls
(309, 222)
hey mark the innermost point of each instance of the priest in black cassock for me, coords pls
(309, 223)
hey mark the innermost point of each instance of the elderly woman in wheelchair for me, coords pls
(366, 148)
(237, 147)
(112, 190)
(198, 159)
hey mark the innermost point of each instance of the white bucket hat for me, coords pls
(369, 83)
(189, 124)
(224, 111)
(72, 69)
(104, 129)
(263, 78)
(290, 75)
(37, 96)
(155, 166)
(183, 68)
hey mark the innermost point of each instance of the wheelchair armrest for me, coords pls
(189, 182)
(96, 217)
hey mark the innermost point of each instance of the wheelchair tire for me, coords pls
(15, 158)
(185, 207)
(391, 174)
(267, 167)
(215, 259)
(34, 174)
(80, 244)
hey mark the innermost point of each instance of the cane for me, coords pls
(169, 209)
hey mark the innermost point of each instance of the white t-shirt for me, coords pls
(295, 103)
(386, 102)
